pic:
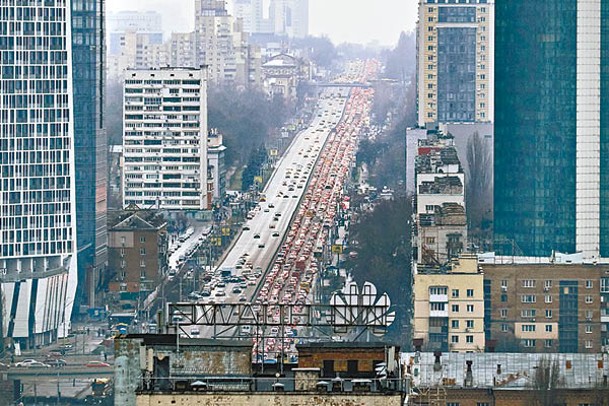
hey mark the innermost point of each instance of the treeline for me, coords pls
(383, 256)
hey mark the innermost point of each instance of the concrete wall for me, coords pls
(265, 399)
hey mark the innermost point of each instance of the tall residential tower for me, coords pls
(551, 129)
(455, 61)
(38, 276)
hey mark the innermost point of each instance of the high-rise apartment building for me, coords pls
(551, 131)
(290, 17)
(38, 261)
(148, 23)
(455, 61)
(90, 143)
(214, 39)
(165, 140)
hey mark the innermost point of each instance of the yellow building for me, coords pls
(449, 306)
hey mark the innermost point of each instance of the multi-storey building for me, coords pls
(449, 306)
(149, 23)
(138, 255)
(183, 50)
(90, 144)
(214, 40)
(548, 306)
(37, 181)
(216, 163)
(440, 231)
(165, 139)
(551, 132)
(290, 17)
(281, 76)
(455, 61)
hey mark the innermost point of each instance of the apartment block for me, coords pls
(165, 140)
(440, 231)
(455, 41)
(546, 307)
(138, 255)
(449, 306)
(38, 261)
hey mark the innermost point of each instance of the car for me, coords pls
(257, 236)
(242, 298)
(25, 362)
(39, 365)
(237, 289)
(266, 210)
(275, 234)
(277, 214)
(56, 363)
(261, 245)
(220, 292)
(31, 363)
(271, 206)
(97, 364)
(272, 225)
(246, 228)
(3, 366)
(243, 285)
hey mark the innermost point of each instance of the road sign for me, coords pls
(226, 231)
(337, 249)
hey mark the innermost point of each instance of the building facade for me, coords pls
(546, 307)
(551, 180)
(37, 172)
(440, 229)
(216, 162)
(90, 144)
(449, 307)
(138, 256)
(290, 17)
(455, 43)
(165, 140)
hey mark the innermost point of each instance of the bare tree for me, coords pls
(545, 383)
(478, 191)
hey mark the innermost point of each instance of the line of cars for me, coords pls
(290, 279)
(52, 362)
(217, 283)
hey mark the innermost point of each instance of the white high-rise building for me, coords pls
(38, 273)
(165, 139)
(290, 17)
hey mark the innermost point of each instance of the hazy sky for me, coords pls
(358, 21)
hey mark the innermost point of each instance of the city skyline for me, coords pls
(385, 27)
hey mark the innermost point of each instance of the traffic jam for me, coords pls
(292, 275)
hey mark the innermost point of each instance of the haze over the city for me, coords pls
(355, 21)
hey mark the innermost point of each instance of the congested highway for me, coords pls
(274, 259)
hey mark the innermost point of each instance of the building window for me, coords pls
(452, 404)
(455, 293)
(470, 293)
(589, 284)
(504, 284)
(469, 339)
(548, 328)
(142, 239)
(548, 314)
(504, 297)
(528, 328)
(469, 323)
(470, 308)
(528, 283)
(588, 329)
(588, 343)
(528, 313)
(455, 308)
(529, 343)
(438, 290)
(122, 251)
(454, 339)
(123, 240)
(548, 298)
(589, 299)
(483, 404)
(142, 263)
(454, 323)
(503, 313)
(505, 327)
(142, 251)
(548, 343)
(605, 285)
(547, 284)
(529, 299)
(589, 314)
(436, 306)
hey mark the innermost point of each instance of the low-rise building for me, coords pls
(281, 75)
(517, 379)
(449, 306)
(169, 370)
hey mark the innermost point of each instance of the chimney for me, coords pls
(469, 377)
(437, 365)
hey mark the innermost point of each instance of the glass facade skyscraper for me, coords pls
(549, 128)
(90, 143)
(38, 274)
